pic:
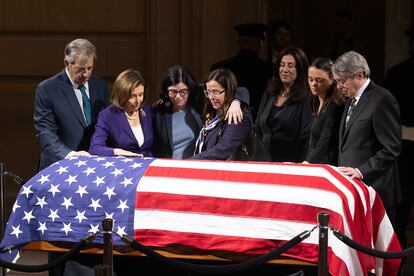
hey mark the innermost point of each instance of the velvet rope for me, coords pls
(216, 269)
(44, 267)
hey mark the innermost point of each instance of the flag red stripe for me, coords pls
(254, 177)
(267, 179)
(363, 224)
(336, 265)
(263, 178)
(377, 216)
(245, 245)
(303, 251)
(392, 265)
(234, 207)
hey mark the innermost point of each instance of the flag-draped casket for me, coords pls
(214, 206)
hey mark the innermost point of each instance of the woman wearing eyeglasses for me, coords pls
(177, 119)
(218, 139)
(125, 127)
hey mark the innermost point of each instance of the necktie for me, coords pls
(87, 108)
(350, 109)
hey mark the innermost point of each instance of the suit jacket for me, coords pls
(223, 140)
(113, 131)
(163, 132)
(58, 118)
(324, 136)
(284, 130)
(371, 142)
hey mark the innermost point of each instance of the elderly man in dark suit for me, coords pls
(370, 131)
(67, 105)
(66, 109)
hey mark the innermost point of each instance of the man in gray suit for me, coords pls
(67, 105)
(370, 131)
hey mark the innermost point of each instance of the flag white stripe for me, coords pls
(265, 168)
(242, 227)
(372, 195)
(384, 235)
(236, 190)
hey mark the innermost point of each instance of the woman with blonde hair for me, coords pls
(125, 127)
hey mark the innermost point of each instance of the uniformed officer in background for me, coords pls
(250, 70)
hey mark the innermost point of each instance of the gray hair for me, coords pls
(79, 48)
(350, 64)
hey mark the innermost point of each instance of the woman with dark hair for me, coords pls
(284, 118)
(176, 119)
(327, 106)
(218, 139)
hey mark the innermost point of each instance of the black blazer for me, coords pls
(58, 118)
(324, 135)
(287, 137)
(371, 142)
(162, 126)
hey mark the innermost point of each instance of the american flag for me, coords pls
(248, 208)
(69, 199)
(252, 208)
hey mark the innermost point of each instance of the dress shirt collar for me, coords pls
(361, 90)
(74, 85)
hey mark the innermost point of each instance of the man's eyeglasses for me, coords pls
(214, 93)
(341, 82)
(174, 92)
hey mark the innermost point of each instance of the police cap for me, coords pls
(251, 30)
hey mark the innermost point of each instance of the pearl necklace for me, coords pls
(131, 117)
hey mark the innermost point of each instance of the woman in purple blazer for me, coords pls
(218, 140)
(125, 127)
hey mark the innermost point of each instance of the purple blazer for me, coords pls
(113, 131)
(220, 146)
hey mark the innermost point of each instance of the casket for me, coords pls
(203, 209)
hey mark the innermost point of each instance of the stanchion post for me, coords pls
(101, 270)
(107, 225)
(2, 204)
(323, 223)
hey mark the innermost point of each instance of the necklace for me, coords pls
(131, 117)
